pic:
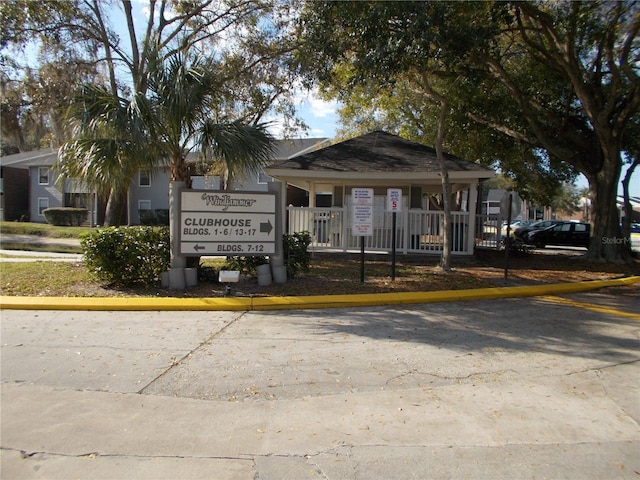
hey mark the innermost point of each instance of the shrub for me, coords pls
(516, 245)
(147, 217)
(61, 216)
(207, 273)
(245, 265)
(296, 254)
(162, 216)
(126, 256)
(296, 257)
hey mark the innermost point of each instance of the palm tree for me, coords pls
(110, 145)
(183, 97)
(176, 116)
(182, 94)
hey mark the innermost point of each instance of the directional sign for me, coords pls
(362, 200)
(227, 223)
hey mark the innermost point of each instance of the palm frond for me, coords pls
(242, 149)
(112, 139)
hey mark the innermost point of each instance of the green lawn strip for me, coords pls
(41, 230)
(42, 278)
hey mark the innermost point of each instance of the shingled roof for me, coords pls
(377, 152)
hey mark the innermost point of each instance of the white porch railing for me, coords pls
(417, 231)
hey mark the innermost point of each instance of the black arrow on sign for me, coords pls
(266, 227)
(197, 247)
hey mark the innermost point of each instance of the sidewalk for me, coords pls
(394, 386)
(39, 241)
(507, 389)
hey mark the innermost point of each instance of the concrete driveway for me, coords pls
(502, 389)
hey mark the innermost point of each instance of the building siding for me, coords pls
(50, 191)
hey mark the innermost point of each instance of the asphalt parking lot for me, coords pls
(496, 389)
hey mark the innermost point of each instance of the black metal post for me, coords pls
(507, 240)
(361, 259)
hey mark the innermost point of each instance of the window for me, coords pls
(415, 197)
(43, 204)
(566, 227)
(581, 227)
(144, 179)
(144, 204)
(43, 175)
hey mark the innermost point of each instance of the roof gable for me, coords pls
(288, 148)
(377, 152)
(36, 158)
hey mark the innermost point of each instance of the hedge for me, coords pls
(65, 216)
(126, 256)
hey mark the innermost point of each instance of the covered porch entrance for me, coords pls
(380, 161)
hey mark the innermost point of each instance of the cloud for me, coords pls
(320, 108)
(311, 103)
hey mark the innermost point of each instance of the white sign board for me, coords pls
(394, 199)
(362, 205)
(227, 223)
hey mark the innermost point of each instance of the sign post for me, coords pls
(507, 240)
(394, 205)
(362, 204)
(227, 223)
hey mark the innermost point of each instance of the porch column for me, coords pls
(472, 204)
(312, 195)
(405, 228)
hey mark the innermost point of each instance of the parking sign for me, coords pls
(394, 199)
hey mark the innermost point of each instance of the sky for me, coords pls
(320, 116)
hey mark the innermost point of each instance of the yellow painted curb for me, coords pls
(303, 302)
(129, 303)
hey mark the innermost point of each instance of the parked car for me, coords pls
(521, 232)
(574, 234)
(513, 227)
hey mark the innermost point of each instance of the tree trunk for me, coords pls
(607, 243)
(445, 262)
(113, 211)
(179, 171)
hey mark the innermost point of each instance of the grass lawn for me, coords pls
(329, 273)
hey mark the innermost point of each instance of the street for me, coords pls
(503, 389)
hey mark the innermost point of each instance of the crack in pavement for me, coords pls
(26, 454)
(175, 362)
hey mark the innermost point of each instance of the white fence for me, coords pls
(488, 231)
(417, 231)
